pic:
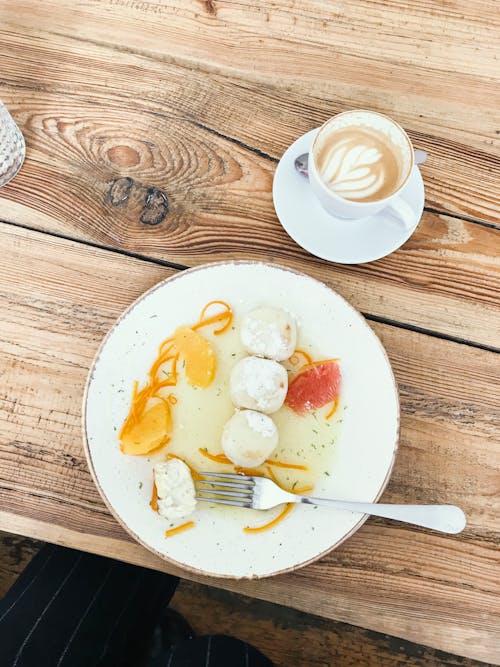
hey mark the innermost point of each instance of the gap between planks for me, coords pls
(208, 68)
(255, 151)
(182, 267)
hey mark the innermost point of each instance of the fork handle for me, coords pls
(445, 518)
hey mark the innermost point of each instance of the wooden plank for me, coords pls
(86, 133)
(289, 637)
(285, 635)
(432, 589)
(434, 68)
(233, 33)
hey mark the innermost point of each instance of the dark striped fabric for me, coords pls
(73, 609)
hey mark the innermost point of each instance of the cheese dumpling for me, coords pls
(269, 332)
(175, 487)
(249, 438)
(258, 384)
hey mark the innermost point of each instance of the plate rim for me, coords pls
(88, 455)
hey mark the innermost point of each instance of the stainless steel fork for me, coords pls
(259, 493)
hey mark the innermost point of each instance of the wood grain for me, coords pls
(289, 637)
(124, 157)
(434, 589)
(154, 128)
(432, 67)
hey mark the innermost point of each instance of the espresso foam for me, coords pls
(358, 163)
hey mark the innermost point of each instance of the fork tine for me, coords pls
(237, 494)
(236, 489)
(238, 479)
(218, 501)
(228, 485)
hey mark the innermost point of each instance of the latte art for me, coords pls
(358, 164)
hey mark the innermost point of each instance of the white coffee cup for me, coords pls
(397, 139)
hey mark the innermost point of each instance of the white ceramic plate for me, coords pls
(331, 238)
(366, 448)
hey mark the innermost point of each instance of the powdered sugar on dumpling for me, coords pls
(269, 332)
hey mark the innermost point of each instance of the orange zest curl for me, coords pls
(302, 489)
(272, 476)
(154, 498)
(335, 405)
(257, 472)
(217, 458)
(222, 458)
(271, 524)
(170, 378)
(167, 347)
(287, 509)
(282, 464)
(149, 425)
(312, 364)
(298, 356)
(225, 317)
(179, 529)
(249, 472)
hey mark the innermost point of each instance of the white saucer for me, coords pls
(331, 238)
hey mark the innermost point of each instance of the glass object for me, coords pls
(12, 146)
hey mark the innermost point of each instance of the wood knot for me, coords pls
(155, 207)
(210, 7)
(148, 203)
(124, 156)
(119, 190)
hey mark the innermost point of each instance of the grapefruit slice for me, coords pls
(315, 386)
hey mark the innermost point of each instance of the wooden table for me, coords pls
(153, 129)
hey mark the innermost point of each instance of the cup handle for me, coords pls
(403, 211)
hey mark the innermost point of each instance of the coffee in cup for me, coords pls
(359, 162)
